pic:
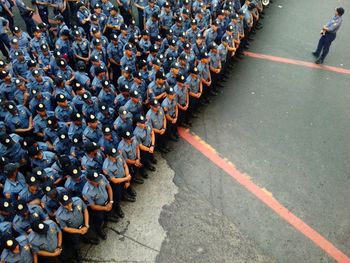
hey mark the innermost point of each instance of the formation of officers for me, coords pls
(86, 100)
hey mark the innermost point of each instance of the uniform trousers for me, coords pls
(324, 44)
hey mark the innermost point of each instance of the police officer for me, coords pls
(170, 108)
(123, 122)
(117, 172)
(40, 120)
(78, 125)
(110, 138)
(93, 158)
(18, 119)
(156, 117)
(93, 130)
(16, 249)
(31, 194)
(98, 194)
(328, 35)
(145, 136)
(73, 218)
(45, 240)
(15, 181)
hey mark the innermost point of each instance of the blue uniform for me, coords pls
(114, 169)
(45, 242)
(24, 255)
(73, 218)
(97, 195)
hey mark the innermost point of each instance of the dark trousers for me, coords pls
(30, 24)
(324, 43)
(145, 158)
(9, 18)
(118, 190)
(4, 42)
(140, 16)
(44, 14)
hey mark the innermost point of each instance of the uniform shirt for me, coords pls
(181, 94)
(36, 43)
(214, 59)
(134, 108)
(47, 160)
(106, 118)
(75, 186)
(142, 89)
(40, 123)
(144, 135)
(18, 121)
(156, 118)
(76, 129)
(51, 205)
(28, 196)
(8, 89)
(129, 150)
(46, 242)
(62, 146)
(152, 27)
(334, 24)
(24, 255)
(114, 169)
(169, 106)
(50, 134)
(114, 52)
(116, 20)
(45, 99)
(107, 96)
(154, 90)
(22, 7)
(128, 62)
(166, 19)
(64, 113)
(222, 52)
(81, 48)
(92, 135)
(82, 78)
(204, 70)
(73, 218)
(14, 187)
(20, 68)
(94, 163)
(121, 124)
(210, 36)
(96, 195)
(14, 152)
(83, 14)
(177, 30)
(148, 11)
(22, 224)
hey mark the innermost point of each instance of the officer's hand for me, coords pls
(137, 163)
(109, 207)
(128, 177)
(173, 121)
(151, 149)
(83, 230)
(162, 131)
(126, 185)
(58, 251)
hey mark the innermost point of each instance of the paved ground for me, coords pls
(285, 126)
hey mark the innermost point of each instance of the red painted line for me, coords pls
(264, 196)
(297, 62)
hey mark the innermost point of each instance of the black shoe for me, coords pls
(78, 257)
(119, 212)
(173, 138)
(194, 115)
(315, 54)
(112, 218)
(151, 168)
(185, 125)
(129, 198)
(259, 27)
(131, 191)
(101, 233)
(163, 150)
(213, 93)
(138, 181)
(319, 61)
(144, 174)
(90, 240)
(204, 102)
(153, 160)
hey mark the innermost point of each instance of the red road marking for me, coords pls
(264, 196)
(297, 62)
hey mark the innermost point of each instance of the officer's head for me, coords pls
(123, 113)
(112, 153)
(5, 75)
(156, 64)
(39, 227)
(41, 109)
(160, 77)
(167, 7)
(11, 170)
(61, 100)
(127, 136)
(114, 38)
(17, 31)
(40, 173)
(62, 63)
(194, 72)
(81, 6)
(204, 57)
(97, 44)
(151, 3)
(37, 32)
(113, 11)
(154, 17)
(141, 121)
(20, 85)
(170, 93)
(14, 43)
(74, 172)
(52, 122)
(128, 50)
(77, 140)
(49, 189)
(91, 121)
(97, 9)
(154, 105)
(6, 140)
(93, 177)
(126, 72)
(124, 29)
(91, 148)
(180, 80)
(35, 153)
(60, 81)
(62, 134)
(32, 182)
(9, 242)
(135, 96)
(339, 11)
(174, 68)
(21, 208)
(65, 200)
(124, 88)
(185, 13)
(65, 34)
(6, 208)
(145, 34)
(107, 132)
(137, 77)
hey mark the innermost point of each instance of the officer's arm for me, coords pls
(86, 217)
(71, 230)
(35, 257)
(110, 193)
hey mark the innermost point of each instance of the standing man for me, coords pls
(328, 35)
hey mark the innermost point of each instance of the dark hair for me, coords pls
(340, 11)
